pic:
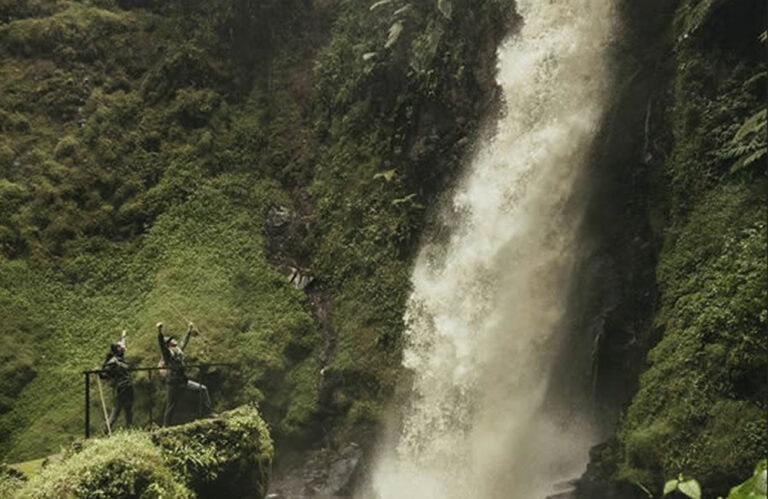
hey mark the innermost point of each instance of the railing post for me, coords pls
(87, 404)
(151, 398)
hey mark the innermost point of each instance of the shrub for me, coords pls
(66, 147)
(7, 155)
(229, 456)
(10, 480)
(126, 465)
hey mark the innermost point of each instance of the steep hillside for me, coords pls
(179, 161)
(131, 190)
(694, 177)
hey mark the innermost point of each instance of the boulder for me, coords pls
(319, 474)
(229, 456)
(125, 466)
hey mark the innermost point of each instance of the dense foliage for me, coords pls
(229, 456)
(165, 160)
(145, 148)
(133, 187)
(700, 408)
(401, 89)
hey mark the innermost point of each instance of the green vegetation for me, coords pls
(126, 465)
(754, 488)
(30, 468)
(10, 480)
(144, 145)
(401, 85)
(700, 408)
(132, 187)
(224, 457)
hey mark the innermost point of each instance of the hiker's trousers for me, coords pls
(123, 401)
(174, 392)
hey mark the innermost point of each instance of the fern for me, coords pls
(699, 14)
(394, 34)
(755, 124)
(749, 142)
(759, 76)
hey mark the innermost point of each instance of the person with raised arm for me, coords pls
(176, 381)
(116, 370)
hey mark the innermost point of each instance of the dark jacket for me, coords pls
(115, 369)
(174, 359)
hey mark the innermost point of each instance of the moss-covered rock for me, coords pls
(128, 465)
(227, 457)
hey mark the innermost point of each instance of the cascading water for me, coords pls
(484, 322)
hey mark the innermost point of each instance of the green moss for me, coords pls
(75, 25)
(66, 147)
(126, 465)
(700, 406)
(229, 456)
(10, 480)
(708, 368)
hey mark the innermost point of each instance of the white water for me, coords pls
(483, 322)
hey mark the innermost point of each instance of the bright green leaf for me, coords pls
(690, 488)
(380, 3)
(445, 7)
(394, 34)
(670, 486)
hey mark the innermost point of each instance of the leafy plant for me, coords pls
(749, 143)
(755, 487)
(688, 487)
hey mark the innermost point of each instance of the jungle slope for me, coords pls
(694, 178)
(178, 160)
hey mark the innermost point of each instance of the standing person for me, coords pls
(176, 381)
(116, 370)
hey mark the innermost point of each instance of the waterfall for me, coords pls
(484, 323)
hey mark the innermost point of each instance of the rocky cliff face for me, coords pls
(680, 239)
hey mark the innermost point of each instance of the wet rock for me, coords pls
(319, 474)
(300, 279)
(343, 472)
(278, 217)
